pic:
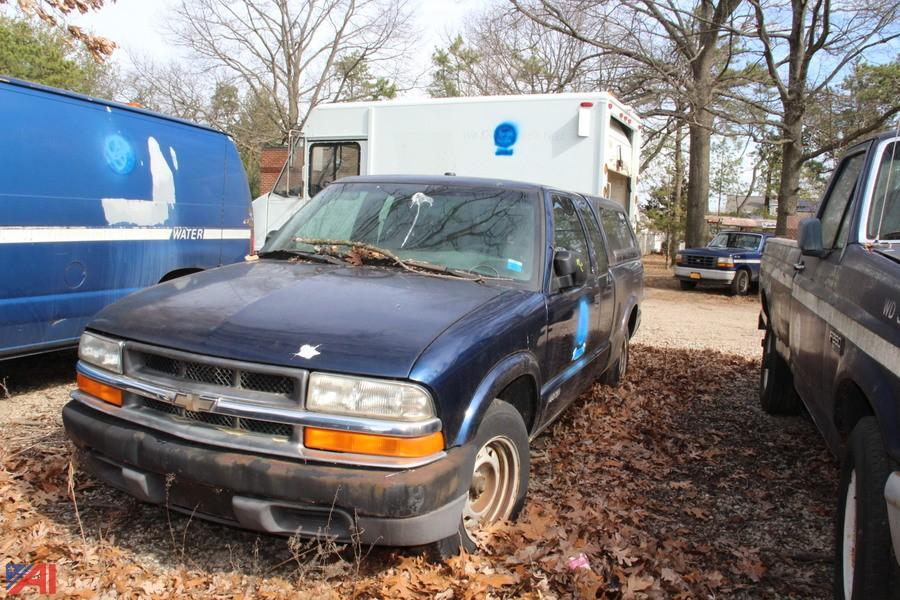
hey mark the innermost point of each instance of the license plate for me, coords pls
(695, 275)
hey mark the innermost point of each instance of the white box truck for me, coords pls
(587, 143)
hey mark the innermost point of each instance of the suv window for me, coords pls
(600, 262)
(838, 199)
(568, 232)
(622, 244)
(328, 162)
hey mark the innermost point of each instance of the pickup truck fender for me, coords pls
(880, 390)
(501, 375)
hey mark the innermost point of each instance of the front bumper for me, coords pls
(892, 497)
(274, 495)
(716, 275)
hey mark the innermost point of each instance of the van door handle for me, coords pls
(799, 266)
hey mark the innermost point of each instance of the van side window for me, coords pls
(838, 199)
(622, 244)
(599, 261)
(568, 232)
(328, 162)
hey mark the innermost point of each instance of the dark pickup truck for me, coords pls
(377, 373)
(829, 309)
(731, 259)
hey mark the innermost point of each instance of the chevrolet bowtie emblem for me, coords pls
(194, 402)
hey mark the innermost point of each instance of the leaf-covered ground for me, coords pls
(674, 485)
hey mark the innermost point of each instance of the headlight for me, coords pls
(679, 259)
(101, 352)
(341, 394)
(725, 261)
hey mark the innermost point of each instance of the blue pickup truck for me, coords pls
(377, 373)
(832, 341)
(731, 259)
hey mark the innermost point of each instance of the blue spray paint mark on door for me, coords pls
(581, 334)
(505, 136)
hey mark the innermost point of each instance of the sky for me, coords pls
(138, 26)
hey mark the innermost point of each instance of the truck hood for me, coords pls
(364, 320)
(737, 252)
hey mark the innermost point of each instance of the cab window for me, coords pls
(568, 232)
(838, 200)
(331, 161)
(884, 215)
(599, 261)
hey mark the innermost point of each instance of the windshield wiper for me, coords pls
(410, 265)
(282, 253)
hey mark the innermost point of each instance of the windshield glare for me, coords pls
(484, 230)
(744, 241)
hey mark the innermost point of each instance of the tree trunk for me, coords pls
(791, 163)
(677, 191)
(698, 178)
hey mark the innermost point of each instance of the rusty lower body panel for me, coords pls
(274, 495)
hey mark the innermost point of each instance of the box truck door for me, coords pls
(618, 188)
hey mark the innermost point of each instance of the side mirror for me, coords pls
(809, 237)
(570, 269)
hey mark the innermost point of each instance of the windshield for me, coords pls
(482, 230)
(744, 241)
(884, 216)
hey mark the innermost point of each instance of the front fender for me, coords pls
(501, 375)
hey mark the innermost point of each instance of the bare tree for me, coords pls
(808, 45)
(54, 13)
(685, 52)
(285, 51)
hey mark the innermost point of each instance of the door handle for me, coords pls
(799, 266)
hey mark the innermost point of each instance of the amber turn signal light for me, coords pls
(107, 393)
(368, 443)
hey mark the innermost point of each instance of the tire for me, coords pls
(776, 384)
(616, 372)
(740, 285)
(687, 285)
(503, 433)
(863, 550)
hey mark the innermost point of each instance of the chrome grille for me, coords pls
(200, 372)
(251, 425)
(705, 262)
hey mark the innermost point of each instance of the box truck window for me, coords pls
(331, 161)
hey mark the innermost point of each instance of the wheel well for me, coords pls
(178, 273)
(632, 321)
(522, 394)
(850, 405)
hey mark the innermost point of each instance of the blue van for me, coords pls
(99, 199)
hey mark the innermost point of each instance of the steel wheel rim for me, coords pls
(494, 486)
(623, 360)
(848, 549)
(765, 362)
(744, 282)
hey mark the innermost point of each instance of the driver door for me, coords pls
(570, 344)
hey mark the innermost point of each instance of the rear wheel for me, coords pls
(776, 385)
(615, 374)
(864, 561)
(687, 285)
(499, 478)
(740, 285)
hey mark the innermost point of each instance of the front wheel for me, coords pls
(864, 561)
(499, 478)
(740, 285)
